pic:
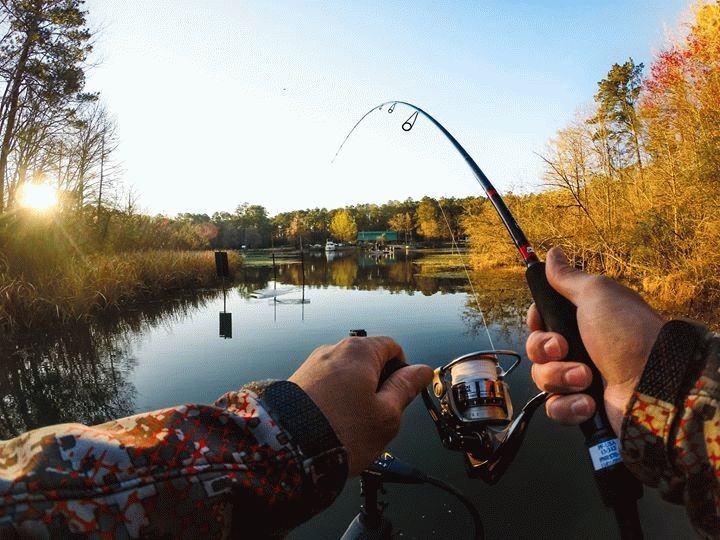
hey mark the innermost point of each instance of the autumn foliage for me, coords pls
(632, 186)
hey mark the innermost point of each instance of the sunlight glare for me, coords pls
(41, 197)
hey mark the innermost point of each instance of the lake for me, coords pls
(171, 352)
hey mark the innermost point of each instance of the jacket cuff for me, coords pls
(324, 458)
(651, 419)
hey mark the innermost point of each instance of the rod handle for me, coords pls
(560, 315)
(388, 369)
(617, 486)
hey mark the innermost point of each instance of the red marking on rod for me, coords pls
(526, 251)
(491, 192)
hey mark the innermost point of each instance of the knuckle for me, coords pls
(322, 352)
(532, 347)
(595, 284)
(347, 342)
(548, 377)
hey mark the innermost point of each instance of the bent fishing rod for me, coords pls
(464, 405)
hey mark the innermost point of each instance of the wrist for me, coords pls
(656, 406)
(320, 450)
(673, 362)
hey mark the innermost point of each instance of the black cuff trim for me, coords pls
(298, 415)
(675, 359)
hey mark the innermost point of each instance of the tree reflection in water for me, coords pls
(504, 299)
(83, 372)
(79, 374)
(502, 293)
(356, 270)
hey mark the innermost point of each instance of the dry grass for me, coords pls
(75, 288)
(680, 294)
(672, 290)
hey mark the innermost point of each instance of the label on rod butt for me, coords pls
(605, 454)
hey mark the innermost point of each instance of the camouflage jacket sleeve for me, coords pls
(671, 430)
(263, 458)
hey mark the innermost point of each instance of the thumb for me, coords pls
(403, 385)
(565, 279)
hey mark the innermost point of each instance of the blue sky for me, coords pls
(221, 102)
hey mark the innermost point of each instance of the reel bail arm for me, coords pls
(473, 412)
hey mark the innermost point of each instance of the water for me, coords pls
(169, 353)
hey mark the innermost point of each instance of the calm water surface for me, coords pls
(169, 353)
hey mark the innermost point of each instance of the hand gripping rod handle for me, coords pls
(616, 484)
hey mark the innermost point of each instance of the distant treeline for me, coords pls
(251, 226)
(631, 186)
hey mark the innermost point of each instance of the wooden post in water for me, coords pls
(302, 269)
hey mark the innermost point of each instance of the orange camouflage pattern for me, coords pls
(674, 443)
(174, 472)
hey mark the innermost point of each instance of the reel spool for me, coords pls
(477, 391)
(473, 412)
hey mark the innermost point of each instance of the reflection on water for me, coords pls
(79, 377)
(80, 374)
(169, 353)
(353, 270)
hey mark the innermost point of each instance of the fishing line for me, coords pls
(378, 108)
(618, 488)
(454, 244)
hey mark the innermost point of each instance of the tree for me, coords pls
(617, 99)
(680, 108)
(402, 222)
(343, 226)
(298, 227)
(428, 222)
(89, 145)
(41, 59)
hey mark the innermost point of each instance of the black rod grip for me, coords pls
(560, 315)
(618, 488)
(389, 368)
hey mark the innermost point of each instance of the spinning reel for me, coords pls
(473, 412)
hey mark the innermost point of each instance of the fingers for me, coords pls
(570, 410)
(404, 385)
(534, 320)
(388, 349)
(565, 279)
(379, 348)
(542, 347)
(561, 377)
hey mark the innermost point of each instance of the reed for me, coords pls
(37, 292)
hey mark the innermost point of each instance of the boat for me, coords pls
(330, 246)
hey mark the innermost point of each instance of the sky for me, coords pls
(220, 102)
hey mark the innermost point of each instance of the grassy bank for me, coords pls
(36, 292)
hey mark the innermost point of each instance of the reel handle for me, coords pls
(615, 482)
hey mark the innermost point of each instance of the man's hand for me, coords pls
(618, 329)
(341, 379)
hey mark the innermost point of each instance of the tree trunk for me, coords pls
(12, 113)
(102, 173)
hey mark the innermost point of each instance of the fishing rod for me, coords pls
(475, 400)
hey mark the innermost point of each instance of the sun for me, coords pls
(41, 197)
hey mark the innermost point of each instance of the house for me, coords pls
(365, 237)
